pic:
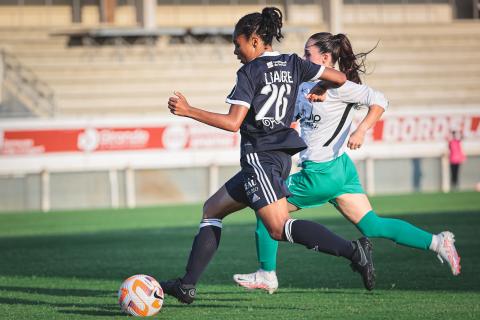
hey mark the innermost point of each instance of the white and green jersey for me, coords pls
(325, 126)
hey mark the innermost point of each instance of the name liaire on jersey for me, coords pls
(278, 76)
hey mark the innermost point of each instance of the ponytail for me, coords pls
(347, 60)
(341, 50)
(271, 25)
(267, 25)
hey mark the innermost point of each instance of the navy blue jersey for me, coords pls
(268, 86)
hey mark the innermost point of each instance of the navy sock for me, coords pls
(204, 247)
(315, 236)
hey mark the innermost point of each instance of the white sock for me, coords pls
(435, 243)
(269, 274)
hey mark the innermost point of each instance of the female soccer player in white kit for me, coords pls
(328, 174)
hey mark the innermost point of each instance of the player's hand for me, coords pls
(318, 93)
(356, 139)
(178, 104)
(312, 97)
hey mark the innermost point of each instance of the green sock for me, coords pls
(266, 247)
(397, 230)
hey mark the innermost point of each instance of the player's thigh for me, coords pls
(353, 206)
(221, 204)
(274, 217)
(292, 207)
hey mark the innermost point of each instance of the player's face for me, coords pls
(312, 53)
(244, 48)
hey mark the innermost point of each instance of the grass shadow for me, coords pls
(163, 252)
(58, 292)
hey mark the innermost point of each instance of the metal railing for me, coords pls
(25, 86)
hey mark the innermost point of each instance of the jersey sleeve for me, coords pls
(352, 92)
(309, 71)
(243, 92)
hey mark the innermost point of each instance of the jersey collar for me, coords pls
(270, 54)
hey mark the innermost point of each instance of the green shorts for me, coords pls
(321, 182)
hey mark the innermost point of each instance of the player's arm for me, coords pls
(231, 121)
(312, 71)
(334, 77)
(331, 79)
(352, 92)
(358, 136)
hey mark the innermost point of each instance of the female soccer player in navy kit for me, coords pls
(262, 107)
(328, 174)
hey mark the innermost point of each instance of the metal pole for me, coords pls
(45, 178)
(107, 11)
(445, 174)
(453, 5)
(77, 11)
(476, 9)
(286, 9)
(213, 175)
(114, 194)
(2, 73)
(149, 14)
(335, 16)
(130, 187)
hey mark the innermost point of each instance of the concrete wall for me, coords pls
(223, 15)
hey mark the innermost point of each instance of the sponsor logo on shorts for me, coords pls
(251, 187)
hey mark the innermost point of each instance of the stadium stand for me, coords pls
(92, 76)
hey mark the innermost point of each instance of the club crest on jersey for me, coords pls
(271, 122)
(272, 64)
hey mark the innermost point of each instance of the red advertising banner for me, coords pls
(394, 128)
(425, 128)
(171, 137)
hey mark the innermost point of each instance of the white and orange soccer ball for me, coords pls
(140, 295)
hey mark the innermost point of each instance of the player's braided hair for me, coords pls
(266, 25)
(341, 50)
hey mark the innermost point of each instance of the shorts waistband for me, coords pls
(312, 165)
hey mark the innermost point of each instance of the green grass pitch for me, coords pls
(69, 265)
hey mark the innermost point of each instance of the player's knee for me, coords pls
(209, 209)
(275, 235)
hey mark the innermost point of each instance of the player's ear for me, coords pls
(326, 58)
(254, 40)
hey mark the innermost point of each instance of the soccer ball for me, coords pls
(140, 295)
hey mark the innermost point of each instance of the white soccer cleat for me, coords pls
(447, 252)
(261, 279)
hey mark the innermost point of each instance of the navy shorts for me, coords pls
(261, 181)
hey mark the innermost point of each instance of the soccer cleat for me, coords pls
(447, 252)
(266, 280)
(363, 262)
(185, 293)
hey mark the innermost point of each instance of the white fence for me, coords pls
(80, 163)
